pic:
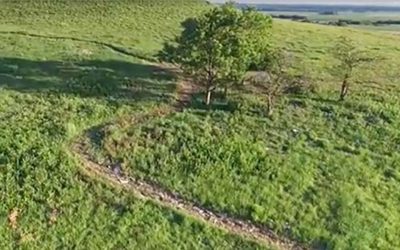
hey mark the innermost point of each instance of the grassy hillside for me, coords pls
(50, 92)
(136, 24)
(322, 172)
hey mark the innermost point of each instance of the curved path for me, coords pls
(152, 191)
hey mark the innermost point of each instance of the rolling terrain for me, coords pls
(55, 84)
(320, 173)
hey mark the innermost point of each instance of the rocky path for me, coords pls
(151, 191)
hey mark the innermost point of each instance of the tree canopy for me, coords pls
(218, 47)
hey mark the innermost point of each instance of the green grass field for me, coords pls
(391, 29)
(137, 25)
(321, 172)
(50, 92)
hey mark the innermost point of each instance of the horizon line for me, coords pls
(318, 4)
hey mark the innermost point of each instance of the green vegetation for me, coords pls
(350, 58)
(218, 47)
(137, 25)
(323, 172)
(52, 91)
(279, 77)
(320, 172)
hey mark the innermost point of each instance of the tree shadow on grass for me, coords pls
(317, 99)
(218, 103)
(90, 78)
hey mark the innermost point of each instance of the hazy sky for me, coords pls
(356, 2)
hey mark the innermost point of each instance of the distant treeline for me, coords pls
(328, 9)
(291, 17)
(345, 22)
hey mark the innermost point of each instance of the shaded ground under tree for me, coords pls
(89, 78)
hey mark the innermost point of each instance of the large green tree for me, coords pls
(218, 47)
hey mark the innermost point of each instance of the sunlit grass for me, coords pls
(320, 171)
(51, 91)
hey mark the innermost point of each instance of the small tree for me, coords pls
(218, 47)
(349, 58)
(275, 79)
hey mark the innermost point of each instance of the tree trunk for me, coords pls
(208, 96)
(270, 106)
(209, 88)
(344, 90)
(225, 92)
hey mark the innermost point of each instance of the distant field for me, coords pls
(386, 28)
(349, 15)
(365, 16)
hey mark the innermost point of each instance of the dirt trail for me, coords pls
(152, 191)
